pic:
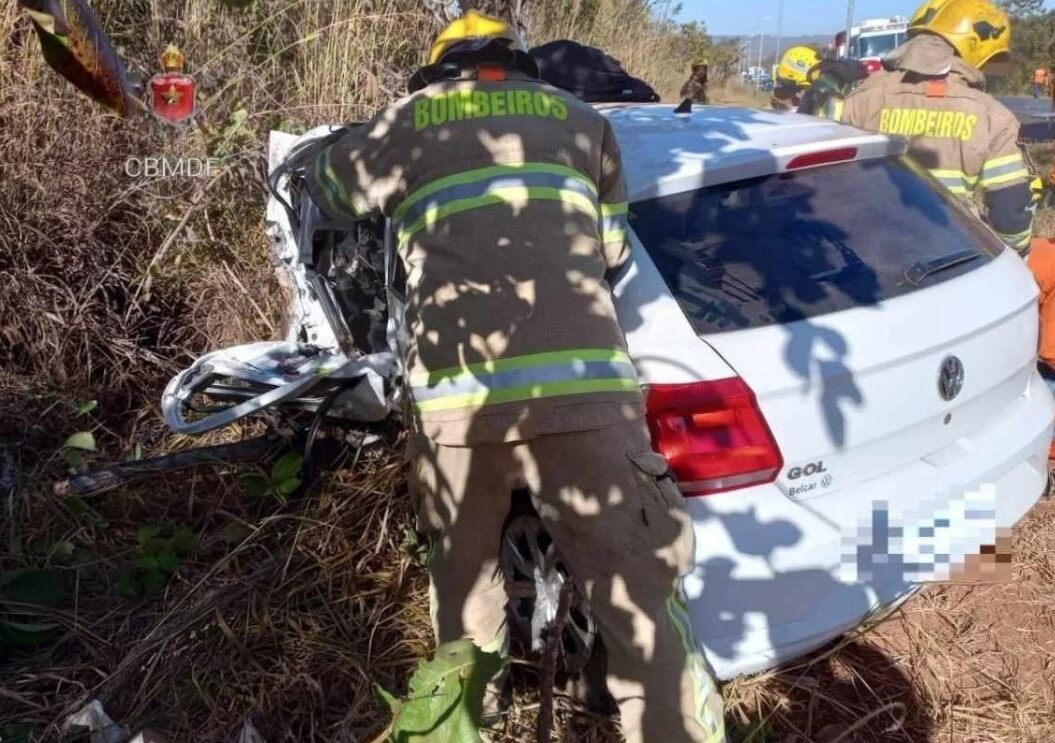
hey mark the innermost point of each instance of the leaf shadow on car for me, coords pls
(795, 251)
(581, 500)
(754, 253)
(622, 550)
(846, 682)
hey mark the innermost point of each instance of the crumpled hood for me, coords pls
(931, 55)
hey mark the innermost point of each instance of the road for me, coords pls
(1038, 122)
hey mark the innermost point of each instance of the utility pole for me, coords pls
(849, 25)
(780, 24)
(758, 78)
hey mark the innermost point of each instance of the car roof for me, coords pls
(665, 152)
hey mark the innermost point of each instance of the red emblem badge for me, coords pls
(172, 92)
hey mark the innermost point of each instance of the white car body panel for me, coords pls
(892, 357)
(771, 580)
(665, 153)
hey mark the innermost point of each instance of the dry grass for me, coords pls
(624, 29)
(110, 284)
(736, 94)
(290, 614)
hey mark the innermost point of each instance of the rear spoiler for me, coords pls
(690, 172)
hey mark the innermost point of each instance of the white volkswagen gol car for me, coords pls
(841, 370)
(840, 363)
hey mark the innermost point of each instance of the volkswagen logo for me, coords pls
(950, 379)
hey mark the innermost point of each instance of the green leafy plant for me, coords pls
(291, 126)
(83, 407)
(236, 134)
(73, 450)
(445, 696)
(159, 553)
(281, 482)
(20, 625)
(414, 548)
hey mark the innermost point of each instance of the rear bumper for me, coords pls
(771, 582)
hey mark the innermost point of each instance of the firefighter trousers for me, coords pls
(621, 527)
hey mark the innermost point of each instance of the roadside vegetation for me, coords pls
(1032, 42)
(192, 603)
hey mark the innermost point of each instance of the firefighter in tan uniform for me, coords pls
(509, 210)
(931, 91)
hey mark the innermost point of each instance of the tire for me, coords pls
(534, 573)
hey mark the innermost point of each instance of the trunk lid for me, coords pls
(853, 395)
(876, 320)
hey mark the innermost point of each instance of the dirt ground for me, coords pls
(956, 664)
(740, 95)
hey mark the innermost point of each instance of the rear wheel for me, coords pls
(534, 573)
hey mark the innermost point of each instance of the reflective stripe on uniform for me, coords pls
(491, 186)
(614, 222)
(708, 703)
(1019, 241)
(520, 378)
(956, 181)
(1001, 170)
(468, 192)
(331, 188)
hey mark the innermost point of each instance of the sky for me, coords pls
(801, 17)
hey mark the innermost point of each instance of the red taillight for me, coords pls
(824, 157)
(873, 65)
(713, 435)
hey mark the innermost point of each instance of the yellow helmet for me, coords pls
(474, 25)
(796, 64)
(977, 29)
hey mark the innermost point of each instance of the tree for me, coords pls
(1033, 44)
(445, 11)
(722, 58)
(725, 59)
(698, 44)
(1023, 8)
(512, 11)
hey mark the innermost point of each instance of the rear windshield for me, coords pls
(790, 246)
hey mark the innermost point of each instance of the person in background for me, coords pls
(1041, 262)
(1040, 81)
(931, 91)
(695, 88)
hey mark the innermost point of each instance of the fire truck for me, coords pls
(872, 39)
